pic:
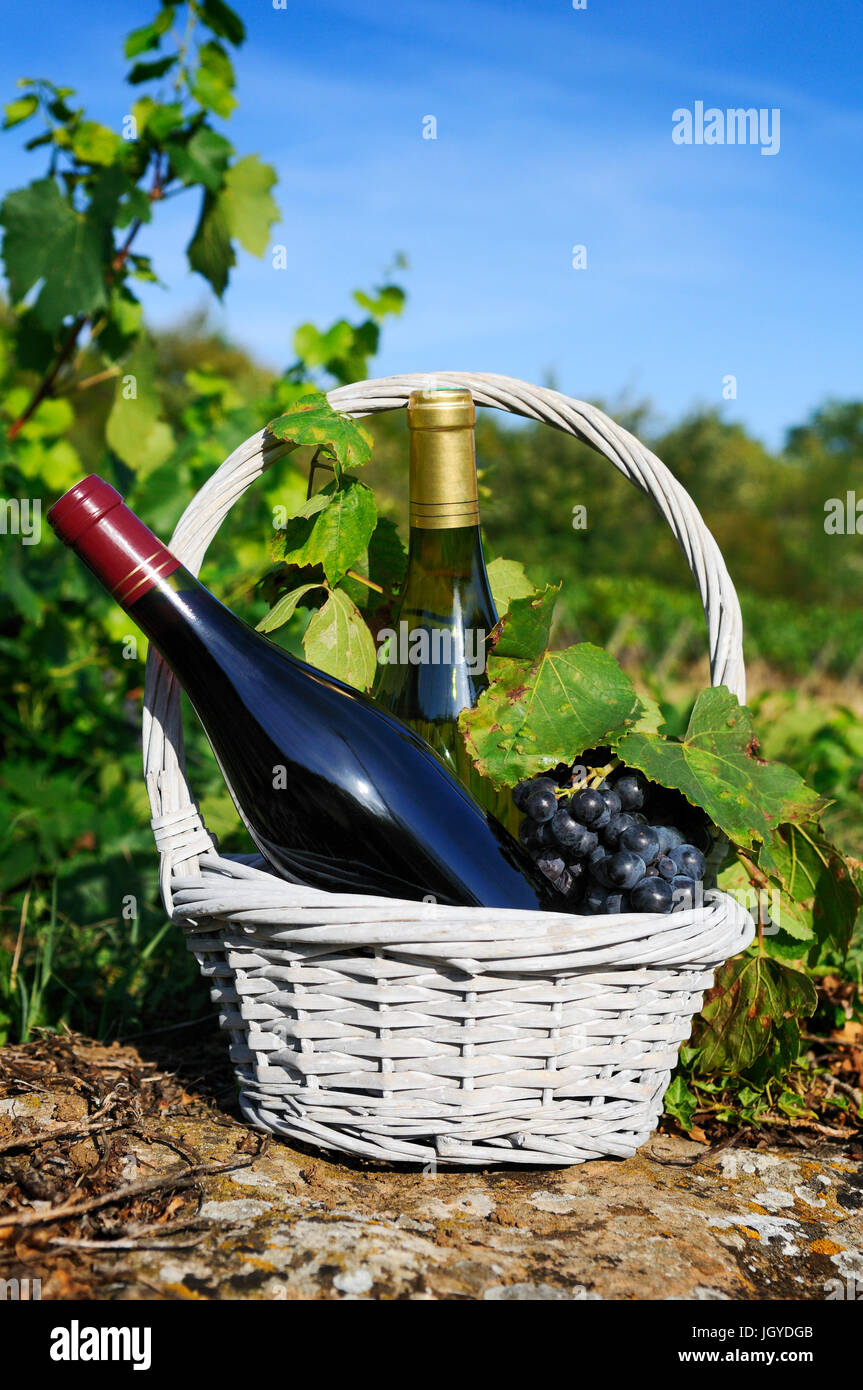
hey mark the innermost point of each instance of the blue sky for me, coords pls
(553, 129)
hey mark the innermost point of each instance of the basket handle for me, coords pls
(180, 833)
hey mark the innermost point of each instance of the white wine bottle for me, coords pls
(432, 661)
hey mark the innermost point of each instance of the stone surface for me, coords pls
(740, 1224)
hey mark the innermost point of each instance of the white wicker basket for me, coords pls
(410, 1031)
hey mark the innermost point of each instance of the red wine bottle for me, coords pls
(335, 792)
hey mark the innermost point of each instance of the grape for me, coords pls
(595, 899)
(652, 895)
(589, 806)
(641, 839)
(688, 860)
(578, 873)
(687, 893)
(540, 802)
(588, 844)
(599, 865)
(551, 865)
(624, 869)
(630, 788)
(616, 827)
(669, 838)
(528, 833)
(520, 793)
(616, 847)
(567, 830)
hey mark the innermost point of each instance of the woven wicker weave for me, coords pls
(411, 1031)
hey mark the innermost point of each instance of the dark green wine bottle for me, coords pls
(432, 660)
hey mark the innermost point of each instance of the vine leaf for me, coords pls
(753, 1002)
(282, 611)
(249, 207)
(312, 421)
(525, 627)
(210, 251)
(680, 1103)
(202, 159)
(789, 932)
(508, 580)
(388, 559)
(47, 240)
(716, 767)
(332, 529)
(538, 712)
(134, 430)
(337, 641)
(814, 874)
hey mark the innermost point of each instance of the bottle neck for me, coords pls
(124, 554)
(443, 486)
(454, 550)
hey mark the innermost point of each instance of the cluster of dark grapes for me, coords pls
(611, 847)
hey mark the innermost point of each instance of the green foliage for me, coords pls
(537, 713)
(47, 240)
(338, 641)
(311, 421)
(72, 231)
(716, 767)
(332, 529)
(755, 1004)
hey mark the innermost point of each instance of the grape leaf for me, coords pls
(210, 251)
(787, 923)
(752, 999)
(46, 239)
(716, 767)
(20, 110)
(213, 83)
(312, 421)
(651, 719)
(158, 120)
(383, 563)
(680, 1103)
(390, 300)
(222, 20)
(388, 560)
(316, 349)
(95, 144)
(248, 206)
(148, 72)
(337, 641)
(34, 346)
(134, 430)
(332, 529)
(508, 580)
(814, 874)
(537, 713)
(284, 610)
(524, 629)
(147, 37)
(203, 159)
